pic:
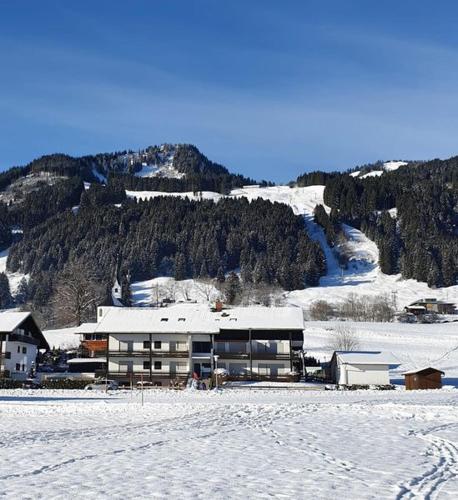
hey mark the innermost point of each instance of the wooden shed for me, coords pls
(423, 378)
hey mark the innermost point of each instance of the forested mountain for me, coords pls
(59, 210)
(79, 212)
(411, 213)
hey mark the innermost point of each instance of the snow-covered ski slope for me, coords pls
(229, 445)
(388, 166)
(363, 276)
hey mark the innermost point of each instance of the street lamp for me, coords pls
(215, 357)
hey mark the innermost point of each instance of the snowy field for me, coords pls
(415, 345)
(236, 444)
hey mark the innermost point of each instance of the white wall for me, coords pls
(267, 367)
(23, 359)
(117, 341)
(182, 365)
(363, 374)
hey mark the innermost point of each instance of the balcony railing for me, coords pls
(254, 355)
(145, 353)
(145, 375)
(25, 339)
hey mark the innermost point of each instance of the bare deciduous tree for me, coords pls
(321, 311)
(184, 289)
(344, 338)
(206, 289)
(78, 292)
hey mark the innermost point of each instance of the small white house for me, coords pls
(349, 368)
(20, 340)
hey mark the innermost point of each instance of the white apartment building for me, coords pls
(174, 342)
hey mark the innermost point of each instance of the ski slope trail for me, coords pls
(362, 275)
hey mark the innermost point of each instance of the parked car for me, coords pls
(145, 384)
(45, 369)
(102, 385)
(31, 383)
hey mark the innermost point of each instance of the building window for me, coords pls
(19, 349)
(23, 368)
(146, 365)
(157, 344)
(7, 355)
(201, 347)
(146, 344)
(24, 350)
(158, 365)
(18, 367)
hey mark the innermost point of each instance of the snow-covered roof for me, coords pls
(425, 368)
(367, 358)
(181, 318)
(11, 320)
(258, 318)
(197, 318)
(75, 361)
(86, 328)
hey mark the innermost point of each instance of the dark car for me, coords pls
(30, 383)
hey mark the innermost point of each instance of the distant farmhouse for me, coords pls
(430, 306)
(173, 343)
(20, 340)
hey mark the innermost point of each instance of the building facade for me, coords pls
(20, 340)
(431, 306)
(348, 368)
(423, 378)
(92, 344)
(179, 341)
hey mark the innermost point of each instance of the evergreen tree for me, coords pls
(22, 293)
(232, 289)
(220, 277)
(5, 293)
(126, 291)
(180, 267)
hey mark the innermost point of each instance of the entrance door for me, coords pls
(173, 369)
(197, 369)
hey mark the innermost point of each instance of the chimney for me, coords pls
(218, 306)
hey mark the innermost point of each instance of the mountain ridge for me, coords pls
(49, 195)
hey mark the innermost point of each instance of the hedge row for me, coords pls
(46, 384)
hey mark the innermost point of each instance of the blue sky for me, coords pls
(268, 88)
